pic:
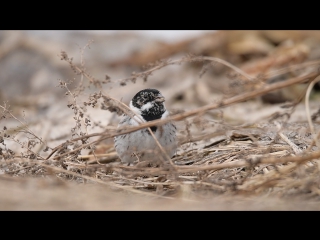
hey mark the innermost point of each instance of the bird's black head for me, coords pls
(150, 103)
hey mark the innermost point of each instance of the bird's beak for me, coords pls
(160, 99)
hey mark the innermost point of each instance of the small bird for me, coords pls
(148, 105)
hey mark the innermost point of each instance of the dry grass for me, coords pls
(271, 159)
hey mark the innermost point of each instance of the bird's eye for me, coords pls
(141, 101)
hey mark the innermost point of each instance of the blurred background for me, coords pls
(31, 65)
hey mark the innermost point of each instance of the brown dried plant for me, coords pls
(245, 160)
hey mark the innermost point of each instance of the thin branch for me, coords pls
(310, 87)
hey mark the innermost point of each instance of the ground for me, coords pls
(245, 103)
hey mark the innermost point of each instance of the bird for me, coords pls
(147, 105)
